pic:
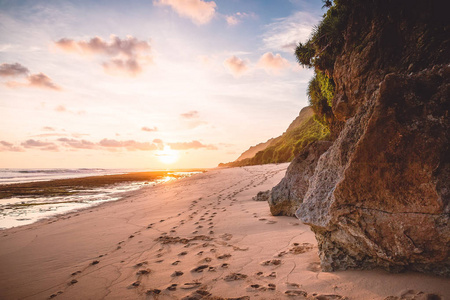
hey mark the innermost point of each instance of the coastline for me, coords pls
(134, 247)
(27, 202)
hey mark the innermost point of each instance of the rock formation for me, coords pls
(262, 196)
(379, 196)
(288, 194)
(301, 132)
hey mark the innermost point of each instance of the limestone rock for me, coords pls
(379, 197)
(262, 196)
(288, 194)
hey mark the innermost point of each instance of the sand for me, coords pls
(201, 236)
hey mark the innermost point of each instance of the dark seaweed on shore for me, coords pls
(65, 187)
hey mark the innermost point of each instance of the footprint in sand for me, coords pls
(143, 272)
(226, 236)
(199, 269)
(273, 262)
(271, 222)
(177, 273)
(176, 263)
(294, 293)
(205, 260)
(153, 292)
(75, 273)
(414, 295)
(172, 287)
(56, 294)
(327, 297)
(299, 249)
(182, 253)
(134, 284)
(190, 285)
(224, 256)
(72, 282)
(235, 276)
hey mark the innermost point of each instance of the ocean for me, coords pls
(24, 210)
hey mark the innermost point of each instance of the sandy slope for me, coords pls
(207, 221)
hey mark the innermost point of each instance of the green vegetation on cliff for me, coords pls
(304, 130)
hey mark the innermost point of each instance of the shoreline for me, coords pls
(205, 228)
(25, 203)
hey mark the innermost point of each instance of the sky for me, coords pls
(152, 84)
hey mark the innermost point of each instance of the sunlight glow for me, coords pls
(167, 156)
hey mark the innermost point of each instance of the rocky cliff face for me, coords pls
(301, 132)
(379, 196)
(287, 196)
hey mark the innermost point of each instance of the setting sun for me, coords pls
(167, 156)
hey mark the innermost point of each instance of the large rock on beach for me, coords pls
(288, 194)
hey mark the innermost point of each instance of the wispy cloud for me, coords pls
(41, 145)
(15, 69)
(238, 17)
(43, 81)
(64, 109)
(273, 63)
(5, 146)
(236, 66)
(148, 129)
(190, 114)
(191, 145)
(65, 143)
(200, 12)
(78, 144)
(130, 145)
(125, 56)
(285, 33)
(39, 80)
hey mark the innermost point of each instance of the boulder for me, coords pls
(262, 196)
(379, 197)
(288, 194)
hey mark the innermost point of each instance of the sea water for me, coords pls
(20, 211)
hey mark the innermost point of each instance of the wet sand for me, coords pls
(61, 187)
(201, 237)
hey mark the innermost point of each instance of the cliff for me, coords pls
(379, 196)
(250, 152)
(301, 132)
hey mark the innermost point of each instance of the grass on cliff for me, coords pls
(287, 146)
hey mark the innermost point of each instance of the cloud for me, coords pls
(129, 145)
(236, 66)
(5, 146)
(37, 144)
(48, 128)
(191, 145)
(124, 56)
(15, 69)
(43, 81)
(78, 144)
(39, 80)
(200, 12)
(273, 63)
(190, 114)
(238, 17)
(148, 129)
(285, 33)
(63, 109)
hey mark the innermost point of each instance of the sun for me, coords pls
(167, 156)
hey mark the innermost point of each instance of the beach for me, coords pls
(202, 237)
